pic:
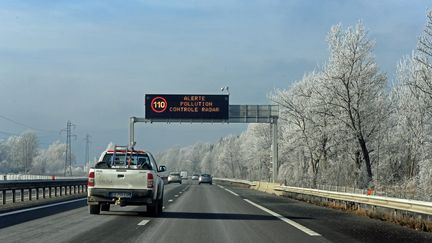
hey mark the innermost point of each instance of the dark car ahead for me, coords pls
(205, 178)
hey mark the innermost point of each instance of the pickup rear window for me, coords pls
(139, 161)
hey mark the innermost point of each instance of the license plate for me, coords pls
(121, 194)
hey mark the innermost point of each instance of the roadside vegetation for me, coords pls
(344, 124)
(21, 154)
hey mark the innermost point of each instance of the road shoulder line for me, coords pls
(144, 222)
(292, 223)
(235, 194)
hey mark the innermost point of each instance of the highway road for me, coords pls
(202, 213)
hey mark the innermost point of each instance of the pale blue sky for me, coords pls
(92, 61)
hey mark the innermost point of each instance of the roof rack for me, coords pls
(121, 149)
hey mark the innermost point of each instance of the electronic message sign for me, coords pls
(187, 107)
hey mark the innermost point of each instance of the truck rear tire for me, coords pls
(160, 205)
(155, 209)
(152, 209)
(94, 209)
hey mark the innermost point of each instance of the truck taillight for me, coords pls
(149, 180)
(91, 178)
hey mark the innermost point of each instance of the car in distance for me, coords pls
(174, 177)
(205, 178)
(183, 175)
(195, 177)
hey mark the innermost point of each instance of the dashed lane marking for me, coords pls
(175, 195)
(40, 207)
(170, 200)
(144, 222)
(289, 221)
(235, 194)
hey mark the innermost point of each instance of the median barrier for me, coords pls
(48, 188)
(23, 177)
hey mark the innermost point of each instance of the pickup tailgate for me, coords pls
(120, 179)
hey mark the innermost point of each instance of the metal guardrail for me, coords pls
(379, 201)
(249, 183)
(44, 187)
(414, 206)
(9, 177)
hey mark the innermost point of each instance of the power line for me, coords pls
(87, 149)
(9, 133)
(25, 125)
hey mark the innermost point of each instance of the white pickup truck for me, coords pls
(125, 177)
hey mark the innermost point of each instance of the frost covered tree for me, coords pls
(354, 89)
(207, 162)
(20, 152)
(412, 138)
(423, 58)
(29, 147)
(254, 153)
(228, 157)
(303, 109)
(194, 158)
(4, 154)
(51, 160)
(412, 131)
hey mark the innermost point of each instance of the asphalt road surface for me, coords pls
(202, 213)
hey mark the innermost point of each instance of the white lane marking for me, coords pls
(235, 194)
(144, 222)
(163, 207)
(40, 207)
(292, 223)
(220, 186)
(170, 200)
(175, 195)
(180, 192)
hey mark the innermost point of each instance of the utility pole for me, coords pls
(274, 148)
(87, 149)
(68, 154)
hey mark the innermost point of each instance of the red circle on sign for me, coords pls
(159, 104)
